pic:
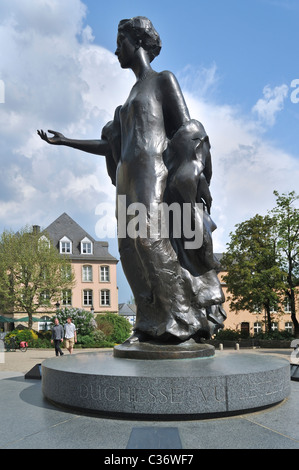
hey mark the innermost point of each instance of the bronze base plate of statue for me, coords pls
(158, 350)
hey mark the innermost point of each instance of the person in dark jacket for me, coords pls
(57, 336)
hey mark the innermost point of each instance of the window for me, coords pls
(66, 272)
(45, 323)
(287, 305)
(66, 297)
(86, 246)
(65, 245)
(105, 297)
(257, 308)
(257, 328)
(274, 326)
(288, 326)
(43, 243)
(44, 297)
(87, 273)
(104, 274)
(87, 297)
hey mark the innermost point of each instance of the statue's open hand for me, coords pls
(56, 140)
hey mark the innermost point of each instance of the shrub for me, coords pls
(97, 339)
(42, 343)
(228, 335)
(21, 335)
(116, 328)
(82, 319)
(276, 334)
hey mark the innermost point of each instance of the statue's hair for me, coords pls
(142, 30)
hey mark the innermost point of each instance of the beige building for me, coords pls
(93, 266)
(253, 323)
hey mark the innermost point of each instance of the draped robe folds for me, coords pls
(177, 292)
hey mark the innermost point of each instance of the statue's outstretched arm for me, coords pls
(98, 147)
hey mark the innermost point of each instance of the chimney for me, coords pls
(36, 229)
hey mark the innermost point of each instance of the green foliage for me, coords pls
(286, 222)
(228, 335)
(41, 343)
(97, 339)
(22, 335)
(82, 319)
(115, 327)
(276, 334)
(32, 272)
(254, 276)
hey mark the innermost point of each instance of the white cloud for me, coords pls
(55, 77)
(246, 167)
(200, 81)
(267, 108)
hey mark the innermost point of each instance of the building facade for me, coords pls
(251, 323)
(94, 269)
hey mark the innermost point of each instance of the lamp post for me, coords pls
(92, 309)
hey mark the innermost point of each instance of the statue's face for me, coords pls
(125, 50)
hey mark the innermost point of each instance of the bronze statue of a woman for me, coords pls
(156, 153)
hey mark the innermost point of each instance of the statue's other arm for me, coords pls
(97, 147)
(174, 106)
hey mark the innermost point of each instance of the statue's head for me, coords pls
(142, 31)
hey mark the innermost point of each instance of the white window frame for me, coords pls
(287, 306)
(87, 273)
(44, 241)
(44, 323)
(44, 297)
(87, 298)
(86, 246)
(288, 326)
(105, 273)
(66, 297)
(105, 298)
(64, 243)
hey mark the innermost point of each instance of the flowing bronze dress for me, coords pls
(176, 290)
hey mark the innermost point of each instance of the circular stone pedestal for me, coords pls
(228, 383)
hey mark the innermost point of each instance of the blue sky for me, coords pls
(235, 60)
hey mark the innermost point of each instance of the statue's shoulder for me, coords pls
(168, 82)
(167, 76)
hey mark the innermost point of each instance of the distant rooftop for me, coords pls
(65, 226)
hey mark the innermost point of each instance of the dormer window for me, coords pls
(86, 246)
(43, 242)
(65, 246)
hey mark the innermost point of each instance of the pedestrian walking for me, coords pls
(57, 336)
(70, 335)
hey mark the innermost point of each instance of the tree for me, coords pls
(32, 273)
(286, 223)
(115, 327)
(254, 278)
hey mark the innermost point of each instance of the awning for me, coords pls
(27, 319)
(6, 319)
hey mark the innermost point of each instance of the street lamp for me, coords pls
(92, 309)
